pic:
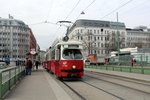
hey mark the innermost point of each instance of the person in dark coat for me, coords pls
(132, 62)
(28, 67)
(37, 64)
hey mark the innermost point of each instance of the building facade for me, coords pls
(98, 37)
(34, 48)
(138, 37)
(42, 55)
(14, 39)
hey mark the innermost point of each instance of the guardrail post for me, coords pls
(130, 69)
(15, 77)
(9, 79)
(0, 86)
(142, 70)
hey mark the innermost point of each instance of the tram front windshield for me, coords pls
(72, 54)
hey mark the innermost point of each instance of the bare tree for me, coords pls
(111, 41)
(88, 43)
(138, 44)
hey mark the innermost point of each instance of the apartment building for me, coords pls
(16, 39)
(98, 37)
(138, 37)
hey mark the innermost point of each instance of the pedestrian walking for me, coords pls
(37, 64)
(132, 62)
(28, 67)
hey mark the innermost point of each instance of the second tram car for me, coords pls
(65, 59)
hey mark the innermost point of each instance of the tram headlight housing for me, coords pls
(73, 67)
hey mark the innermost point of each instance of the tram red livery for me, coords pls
(64, 59)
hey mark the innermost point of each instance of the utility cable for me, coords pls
(73, 9)
(50, 9)
(68, 15)
(37, 23)
(43, 22)
(117, 9)
(89, 5)
(85, 9)
(139, 5)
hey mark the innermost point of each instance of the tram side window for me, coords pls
(53, 55)
(57, 54)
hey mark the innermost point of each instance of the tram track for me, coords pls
(138, 93)
(104, 90)
(80, 96)
(97, 78)
(93, 86)
(121, 78)
(120, 85)
(134, 84)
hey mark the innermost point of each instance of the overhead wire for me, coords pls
(85, 9)
(139, 5)
(117, 9)
(73, 9)
(43, 22)
(36, 23)
(89, 5)
(69, 14)
(50, 9)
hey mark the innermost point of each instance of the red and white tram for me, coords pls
(65, 59)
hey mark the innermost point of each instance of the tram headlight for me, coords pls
(73, 67)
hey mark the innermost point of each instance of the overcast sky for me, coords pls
(132, 12)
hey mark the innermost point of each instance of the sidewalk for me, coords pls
(134, 76)
(38, 86)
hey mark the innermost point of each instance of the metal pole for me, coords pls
(118, 40)
(0, 85)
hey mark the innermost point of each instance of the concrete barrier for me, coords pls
(9, 77)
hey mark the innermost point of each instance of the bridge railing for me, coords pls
(9, 77)
(137, 69)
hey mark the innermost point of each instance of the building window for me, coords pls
(88, 37)
(90, 31)
(101, 44)
(101, 51)
(81, 30)
(98, 31)
(98, 44)
(94, 31)
(98, 52)
(95, 38)
(102, 38)
(81, 38)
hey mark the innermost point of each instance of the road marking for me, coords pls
(58, 91)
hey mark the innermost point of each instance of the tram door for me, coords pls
(58, 60)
